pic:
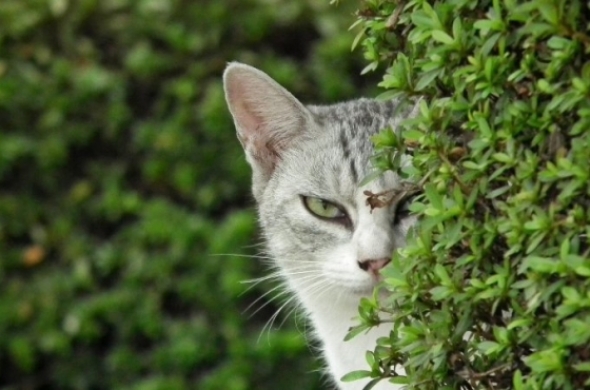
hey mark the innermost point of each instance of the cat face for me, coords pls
(308, 164)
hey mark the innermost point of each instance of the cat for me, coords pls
(328, 244)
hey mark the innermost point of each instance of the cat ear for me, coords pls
(267, 118)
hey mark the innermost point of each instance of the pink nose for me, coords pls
(373, 266)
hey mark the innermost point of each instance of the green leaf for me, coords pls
(432, 14)
(538, 30)
(519, 323)
(356, 375)
(502, 157)
(370, 177)
(501, 335)
(356, 330)
(483, 126)
(536, 240)
(548, 10)
(370, 358)
(422, 20)
(357, 39)
(583, 271)
(489, 347)
(457, 29)
(400, 380)
(433, 196)
(584, 366)
(544, 361)
(489, 44)
(442, 37)
(517, 381)
(444, 277)
(484, 25)
(539, 264)
(426, 79)
(558, 43)
(440, 292)
(498, 191)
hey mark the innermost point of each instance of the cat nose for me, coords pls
(373, 266)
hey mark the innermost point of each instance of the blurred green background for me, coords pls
(121, 181)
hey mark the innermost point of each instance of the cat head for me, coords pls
(308, 164)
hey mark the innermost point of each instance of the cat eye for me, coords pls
(402, 210)
(324, 209)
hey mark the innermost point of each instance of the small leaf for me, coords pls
(502, 157)
(519, 323)
(370, 358)
(420, 19)
(571, 294)
(442, 37)
(548, 11)
(426, 79)
(484, 25)
(457, 28)
(488, 347)
(357, 39)
(433, 196)
(539, 264)
(483, 126)
(356, 375)
(370, 177)
(585, 366)
(498, 191)
(517, 381)
(544, 361)
(442, 274)
(400, 380)
(440, 292)
(356, 330)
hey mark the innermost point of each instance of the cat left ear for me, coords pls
(267, 117)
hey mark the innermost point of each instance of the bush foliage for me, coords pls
(121, 179)
(493, 291)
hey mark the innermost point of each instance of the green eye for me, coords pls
(322, 208)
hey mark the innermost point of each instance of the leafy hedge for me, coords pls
(121, 180)
(493, 291)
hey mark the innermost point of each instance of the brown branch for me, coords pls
(394, 18)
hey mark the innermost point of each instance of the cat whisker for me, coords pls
(256, 281)
(269, 324)
(255, 245)
(275, 297)
(260, 257)
(277, 275)
(316, 285)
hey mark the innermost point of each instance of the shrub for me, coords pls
(493, 291)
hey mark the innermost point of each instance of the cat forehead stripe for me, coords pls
(354, 171)
(344, 144)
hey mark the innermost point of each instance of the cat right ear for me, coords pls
(267, 118)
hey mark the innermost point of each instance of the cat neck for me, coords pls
(333, 314)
